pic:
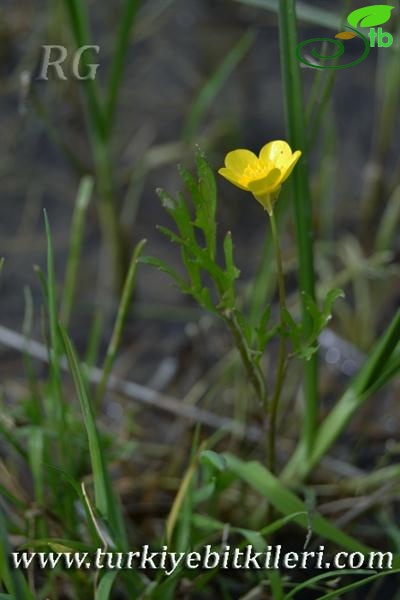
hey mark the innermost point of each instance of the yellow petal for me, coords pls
(277, 153)
(237, 160)
(232, 178)
(267, 184)
(291, 165)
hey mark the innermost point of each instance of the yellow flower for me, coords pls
(261, 175)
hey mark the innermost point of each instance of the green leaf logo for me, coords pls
(370, 16)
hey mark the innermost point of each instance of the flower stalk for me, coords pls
(282, 358)
(263, 176)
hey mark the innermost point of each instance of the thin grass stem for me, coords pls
(119, 322)
(296, 128)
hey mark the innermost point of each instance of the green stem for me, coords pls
(279, 264)
(281, 370)
(296, 128)
(111, 227)
(254, 373)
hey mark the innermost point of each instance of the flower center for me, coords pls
(255, 171)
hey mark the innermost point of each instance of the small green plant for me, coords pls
(212, 285)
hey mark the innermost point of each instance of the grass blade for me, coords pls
(13, 579)
(106, 502)
(370, 378)
(37, 411)
(332, 575)
(36, 449)
(357, 584)
(179, 504)
(287, 503)
(55, 350)
(76, 236)
(104, 588)
(214, 85)
(76, 10)
(380, 356)
(129, 12)
(389, 223)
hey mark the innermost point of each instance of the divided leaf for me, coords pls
(210, 284)
(205, 211)
(263, 334)
(162, 266)
(304, 343)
